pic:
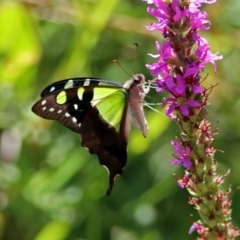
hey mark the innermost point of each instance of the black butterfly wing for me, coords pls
(103, 133)
(97, 111)
(65, 107)
(68, 101)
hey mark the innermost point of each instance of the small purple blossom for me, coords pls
(164, 53)
(203, 53)
(199, 228)
(184, 182)
(182, 155)
(179, 103)
(193, 228)
(196, 227)
(181, 184)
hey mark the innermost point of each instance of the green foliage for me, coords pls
(50, 187)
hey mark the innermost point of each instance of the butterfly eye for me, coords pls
(136, 80)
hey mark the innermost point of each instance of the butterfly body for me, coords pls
(101, 112)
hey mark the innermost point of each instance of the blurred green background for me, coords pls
(53, 189)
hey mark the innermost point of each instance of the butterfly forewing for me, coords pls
(69, 101)
(78, 82)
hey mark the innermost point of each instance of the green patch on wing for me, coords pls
(102, 92)
(110, 107)
(61, 97)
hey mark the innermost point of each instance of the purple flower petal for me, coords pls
(170, 110)
(168, 100)
(187, 163)
(197, 89)
(181, 184)
(184, 110)
(193, 228)
(193, 103)
(177, 146)
(191, 69)
(175, 161)
(181, 86)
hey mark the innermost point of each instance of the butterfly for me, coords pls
(100, 111)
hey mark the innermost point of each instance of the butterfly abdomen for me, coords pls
(136, 97)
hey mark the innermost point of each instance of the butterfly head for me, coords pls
(138, 79)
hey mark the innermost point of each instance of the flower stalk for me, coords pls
(181, 59)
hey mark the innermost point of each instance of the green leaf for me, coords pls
(19, 46)
(54, 230)
(92, 19)
(157, 124)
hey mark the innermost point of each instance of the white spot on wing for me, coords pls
(75, 106)
(52, 89)
(67, 114)
(44, 108)
(59, 111)
(86, 82)
(74, 119)
(44, 102)
(69, 84)
(51, 109)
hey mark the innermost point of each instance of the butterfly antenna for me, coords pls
(135, 58)
(118, 63)
(134, 62)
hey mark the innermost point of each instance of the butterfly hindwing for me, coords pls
(102, 139)
(103, 133)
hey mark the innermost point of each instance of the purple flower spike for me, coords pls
(177, 67)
